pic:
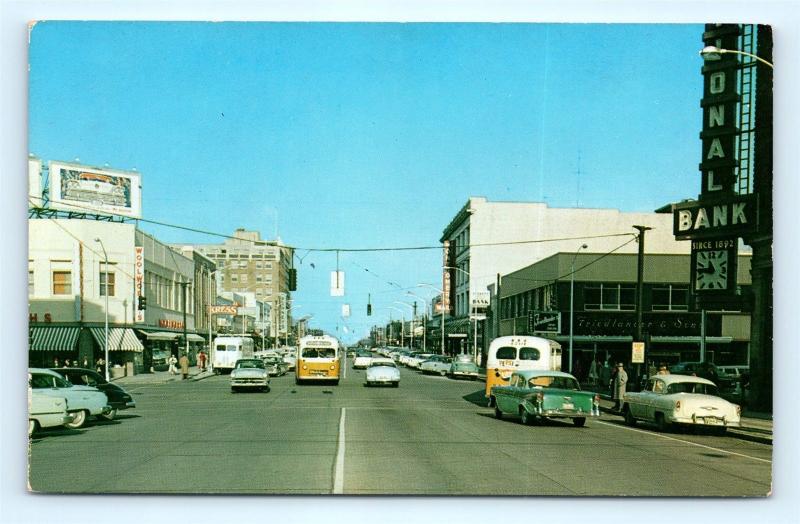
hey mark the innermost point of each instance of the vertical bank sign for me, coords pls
(138, 281)
(719, 212)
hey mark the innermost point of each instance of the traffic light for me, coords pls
(142, 303)
(369, 309)
(292, 279)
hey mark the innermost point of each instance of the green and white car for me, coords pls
(536, 395)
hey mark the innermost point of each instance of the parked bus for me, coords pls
(517, 353)
(317, 359)
(229, 349)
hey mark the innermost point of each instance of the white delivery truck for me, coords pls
(227, 350)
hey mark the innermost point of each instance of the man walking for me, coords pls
(172, 361)
(620, 383)
(201, 360)
(184, 366)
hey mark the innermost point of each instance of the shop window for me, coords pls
(609, 297)
(107, 284)
(62, 282)
(670, 298)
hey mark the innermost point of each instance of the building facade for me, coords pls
(246, 263)
(537, 300)
(486, 239)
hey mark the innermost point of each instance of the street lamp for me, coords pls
(441, 307)
(571, 302)
(412, 319)
(424, 321)
(105, 256)
(715, 53)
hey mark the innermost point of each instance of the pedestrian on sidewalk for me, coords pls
(201, 360)
(593, 373)
(172, 361)
(184, 366)
(101, 365)
(662, 369)
(56, 363)
(620, 384)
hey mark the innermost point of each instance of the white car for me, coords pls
(45, 411)
(82, 401)
(291, 360)
(382, 371)
(680, 399)
(437, 365)
(415, 360)
(362, 360)
(249, 373)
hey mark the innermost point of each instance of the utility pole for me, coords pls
(185, 337)
(640, 294)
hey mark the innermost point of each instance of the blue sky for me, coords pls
(367, 134)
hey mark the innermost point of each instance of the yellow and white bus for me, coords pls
(317, 359)
(518, 353)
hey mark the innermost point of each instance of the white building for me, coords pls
(490, 238)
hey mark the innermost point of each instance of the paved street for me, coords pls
(431, 436)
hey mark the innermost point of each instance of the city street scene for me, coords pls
(400, 259)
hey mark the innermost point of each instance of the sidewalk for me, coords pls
(160, 377)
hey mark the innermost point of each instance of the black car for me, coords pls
(118, 398)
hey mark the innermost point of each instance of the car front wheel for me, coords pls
(110, 415)
(661, 422)
(579, 421)
(78, 421)
(525, 417)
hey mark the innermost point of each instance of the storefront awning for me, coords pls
(119, 339)
(195, 338)
(159, 335)
(54, 338)
(459, 326)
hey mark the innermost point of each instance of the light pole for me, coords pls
(572, 301)
(105, 342)
(713, 53)
(412, 319)
(441, 307)
(424, 321)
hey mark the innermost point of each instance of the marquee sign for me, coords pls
(544, 321)
(138, 282)
(733, 216)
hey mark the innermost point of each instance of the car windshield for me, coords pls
(693, 387)
(385, 363)
(363, 354)
(249, 364)
(554, 382)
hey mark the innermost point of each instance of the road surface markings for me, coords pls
(680, 440)
(338, 470)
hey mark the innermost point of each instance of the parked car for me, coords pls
(534, 395)
(707, 370)
(276, 365)
(464, 369)
(82, 401)
(382, 371)
(362, 359)
(45, 411)
(680, 399)
(118, 398)
(416, 359)
(249, 373)
(437, 365)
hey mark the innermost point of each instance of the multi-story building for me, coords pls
(486, 239)
(536, 300)
(247, 263)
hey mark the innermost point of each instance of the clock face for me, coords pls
(711, 270)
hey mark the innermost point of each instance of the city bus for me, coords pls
(517, 353)
(227, 350)
(317, 359)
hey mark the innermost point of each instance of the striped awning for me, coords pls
(52, 338)
(159, 335)
(195, 338)
(119, 339)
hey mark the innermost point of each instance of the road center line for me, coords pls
(338, 470)
(679, 440)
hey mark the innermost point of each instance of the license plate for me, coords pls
(713, 421)
(567, 405)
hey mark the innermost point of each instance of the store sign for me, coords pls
(600, 323)
(734, 216)
(167, 323)
(479, 299)
(446, 277)
(637, 353)
(544, 321)
(223, 310)
(138, 281)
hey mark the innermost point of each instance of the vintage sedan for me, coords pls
(436, 365)
(249, 373)
(382, 371)
(416, 359)
(362, 360)
(276, 365)
(45, 411)
(534, 395)
(680, 399)
(118, 398)
(464, 368)
(82, 401)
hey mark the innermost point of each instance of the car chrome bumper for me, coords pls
(106, 410)
(707, 421)
(248, 382)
